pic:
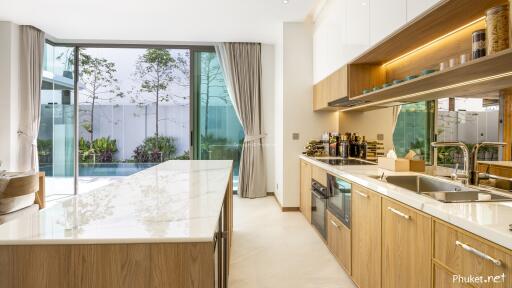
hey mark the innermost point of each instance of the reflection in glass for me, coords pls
(412, 130)
(219, 135)
(471, 121)
(56, 139)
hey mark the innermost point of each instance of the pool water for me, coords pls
(102, 169)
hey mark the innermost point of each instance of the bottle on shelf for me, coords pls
(344, 147)
(363, 149)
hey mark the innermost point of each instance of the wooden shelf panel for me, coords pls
(446, 16)
(482, 75)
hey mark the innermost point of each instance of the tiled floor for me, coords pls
(279, 250)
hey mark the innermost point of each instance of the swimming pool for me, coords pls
(99, 169)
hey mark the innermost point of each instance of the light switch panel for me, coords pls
(295, 136)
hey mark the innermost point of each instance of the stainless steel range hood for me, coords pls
(346, 102)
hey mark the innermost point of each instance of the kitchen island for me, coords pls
(166, 226)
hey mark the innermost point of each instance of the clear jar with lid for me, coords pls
(497, 22)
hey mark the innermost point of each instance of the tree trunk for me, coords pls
(91, 137)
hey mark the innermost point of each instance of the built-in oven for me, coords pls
(339, 198)
(318, 207)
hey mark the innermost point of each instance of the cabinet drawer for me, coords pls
(444, 279)
(470, 255)
(319, 175)
(339, 241)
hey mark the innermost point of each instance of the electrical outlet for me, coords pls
(380, 137)
(295, 136)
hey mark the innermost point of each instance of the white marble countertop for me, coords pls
(498, 163)
(488, 220)
(176, 201)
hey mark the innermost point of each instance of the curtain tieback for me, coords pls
(24, 134)
(249, 138)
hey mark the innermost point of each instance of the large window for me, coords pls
(134, 110)
(471, 121)
(218, 132)
(56, 136)
(413, 129)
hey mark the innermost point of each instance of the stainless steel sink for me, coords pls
(420, 184)
(444, 191)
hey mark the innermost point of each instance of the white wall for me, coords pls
(9, 79)
(268, 111)
(279, 117)
(344, 29)
(297, 107)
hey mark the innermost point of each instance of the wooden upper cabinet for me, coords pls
(333, 87)
(305, 189)
(406, 246)
(366, 237)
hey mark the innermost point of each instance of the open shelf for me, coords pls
(490, 73)
(444, 17)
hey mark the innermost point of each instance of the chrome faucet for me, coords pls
(474, 153)
(465, 151)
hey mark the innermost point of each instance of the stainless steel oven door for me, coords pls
(318, 210)
(338, 203)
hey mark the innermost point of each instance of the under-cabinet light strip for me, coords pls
(435, 40)
(397, 99)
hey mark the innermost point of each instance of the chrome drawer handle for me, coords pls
(477, 253)
(335, 225)
(399, 213)
(362, 194)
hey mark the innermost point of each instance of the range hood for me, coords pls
(346, 102)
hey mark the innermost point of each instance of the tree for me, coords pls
(156, 69)
(214, 87)
(98, 83)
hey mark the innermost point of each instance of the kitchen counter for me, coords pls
(176, 201)
(488, 220)
(497, 163)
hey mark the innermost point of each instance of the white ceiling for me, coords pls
(157, 20)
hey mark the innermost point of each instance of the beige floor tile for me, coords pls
(279, 250)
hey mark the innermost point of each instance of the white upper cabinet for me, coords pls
(416, 7)
(386, 16)
(357, 23)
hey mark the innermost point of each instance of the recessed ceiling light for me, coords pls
(286, 1)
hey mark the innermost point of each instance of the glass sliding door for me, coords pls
(134, 111)
(56, 133)
(218, 134)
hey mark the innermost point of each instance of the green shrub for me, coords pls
(101, 150)
(155, 149)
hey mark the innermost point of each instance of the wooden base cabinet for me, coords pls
(406, 246)
(469, 255)
(444, 279)
(366, 237)
(305, 189)
(339, 241)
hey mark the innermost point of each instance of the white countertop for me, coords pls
(176, 201)
(498, 163)
(488, 220)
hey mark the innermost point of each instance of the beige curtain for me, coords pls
(241, 63)
(31, 70)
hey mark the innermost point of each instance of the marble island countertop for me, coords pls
(489, 220)
(176, 201)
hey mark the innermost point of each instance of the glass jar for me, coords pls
(478, 44)
(497, 31)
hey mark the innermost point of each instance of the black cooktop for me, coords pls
(341, 162)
